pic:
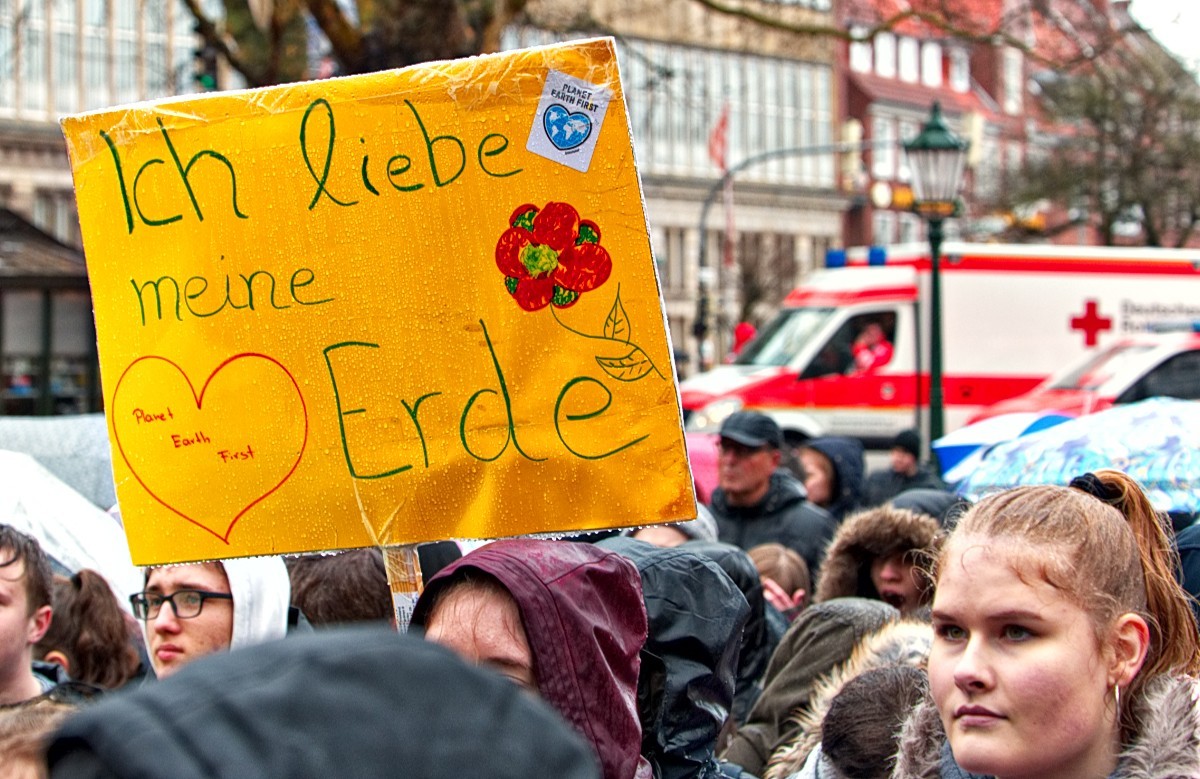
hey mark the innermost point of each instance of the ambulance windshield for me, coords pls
(1100, 368)
(781, 340)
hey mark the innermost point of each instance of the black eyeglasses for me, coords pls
(185, 603)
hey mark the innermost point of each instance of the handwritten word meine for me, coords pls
(192, 294)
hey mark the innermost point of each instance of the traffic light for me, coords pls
(206, 68)
(205, 73)
(700, 326)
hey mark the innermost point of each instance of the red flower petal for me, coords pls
(583, 268)
(556, 226)
(508, 252)
(534, 294)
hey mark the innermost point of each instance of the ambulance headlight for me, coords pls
(709, 418)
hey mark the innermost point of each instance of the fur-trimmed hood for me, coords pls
(906, 642)
(878, 532)
(1167, 745)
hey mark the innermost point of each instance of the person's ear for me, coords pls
(59, 659)
(1129, 643)
(39, 623)
(776, 457)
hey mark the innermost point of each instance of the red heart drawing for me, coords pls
(210, 464)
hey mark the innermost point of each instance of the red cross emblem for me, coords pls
(1090, 322)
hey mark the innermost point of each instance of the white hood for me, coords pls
(262, 593)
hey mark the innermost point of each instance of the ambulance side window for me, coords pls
(836, 357)
(1177, 377)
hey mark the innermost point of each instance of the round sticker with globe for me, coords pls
(566, 130)
(569, 117)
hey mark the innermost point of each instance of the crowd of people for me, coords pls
(813, 621)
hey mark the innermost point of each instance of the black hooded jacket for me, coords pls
(690, 661)
(355, 702)
(849, 471)
(783, 516)
(757, 641)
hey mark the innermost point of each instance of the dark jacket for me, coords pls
(1168, 717)
(871, 534)
(1187, 543)
(820, 639)
(757, 642)
(884, 485)
(690, 661)
(343, 702)
(944, 506)
(581, 607)
(783, 516)
(849, 470)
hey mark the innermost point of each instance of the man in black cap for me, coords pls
(905, 473)
(757, 502)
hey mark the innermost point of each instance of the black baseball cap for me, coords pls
(750, 428)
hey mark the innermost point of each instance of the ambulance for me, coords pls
(1012, 316)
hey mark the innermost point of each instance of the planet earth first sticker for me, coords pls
(569, 117)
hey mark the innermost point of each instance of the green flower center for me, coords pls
(539, 259)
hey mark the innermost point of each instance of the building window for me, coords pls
(931, 64)
(909, 51)
(677, 93)
(908, 131)
(960, 70)
(885, 54)
(883, 228)
(1014, 81)
(860, 52)
(1012, 157)
(987, 172)
(883, 152)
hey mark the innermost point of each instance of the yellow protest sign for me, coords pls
(383, 309)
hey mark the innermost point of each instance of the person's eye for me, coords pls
(188, 598)
(949, 632)
(153, 599)
(1016, 633)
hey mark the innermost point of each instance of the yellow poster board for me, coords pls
(384, 309)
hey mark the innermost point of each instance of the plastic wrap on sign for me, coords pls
(384, 309)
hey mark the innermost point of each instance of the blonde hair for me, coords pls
(782, 565)
(1111, 555)
(25, 732)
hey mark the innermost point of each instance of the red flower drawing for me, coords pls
(551, 256)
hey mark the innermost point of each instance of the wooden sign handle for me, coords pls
(404, 578)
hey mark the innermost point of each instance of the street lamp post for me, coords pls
(936, 157)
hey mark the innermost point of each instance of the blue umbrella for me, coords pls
(960, 451)
(1156, 441)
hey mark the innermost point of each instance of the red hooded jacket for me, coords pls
(585, 620)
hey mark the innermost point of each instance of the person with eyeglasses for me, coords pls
(193, 610)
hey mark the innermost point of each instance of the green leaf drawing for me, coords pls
(616, 326)
(631, 367)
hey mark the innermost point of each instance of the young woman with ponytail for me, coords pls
(1063, 645)
(89, 635)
